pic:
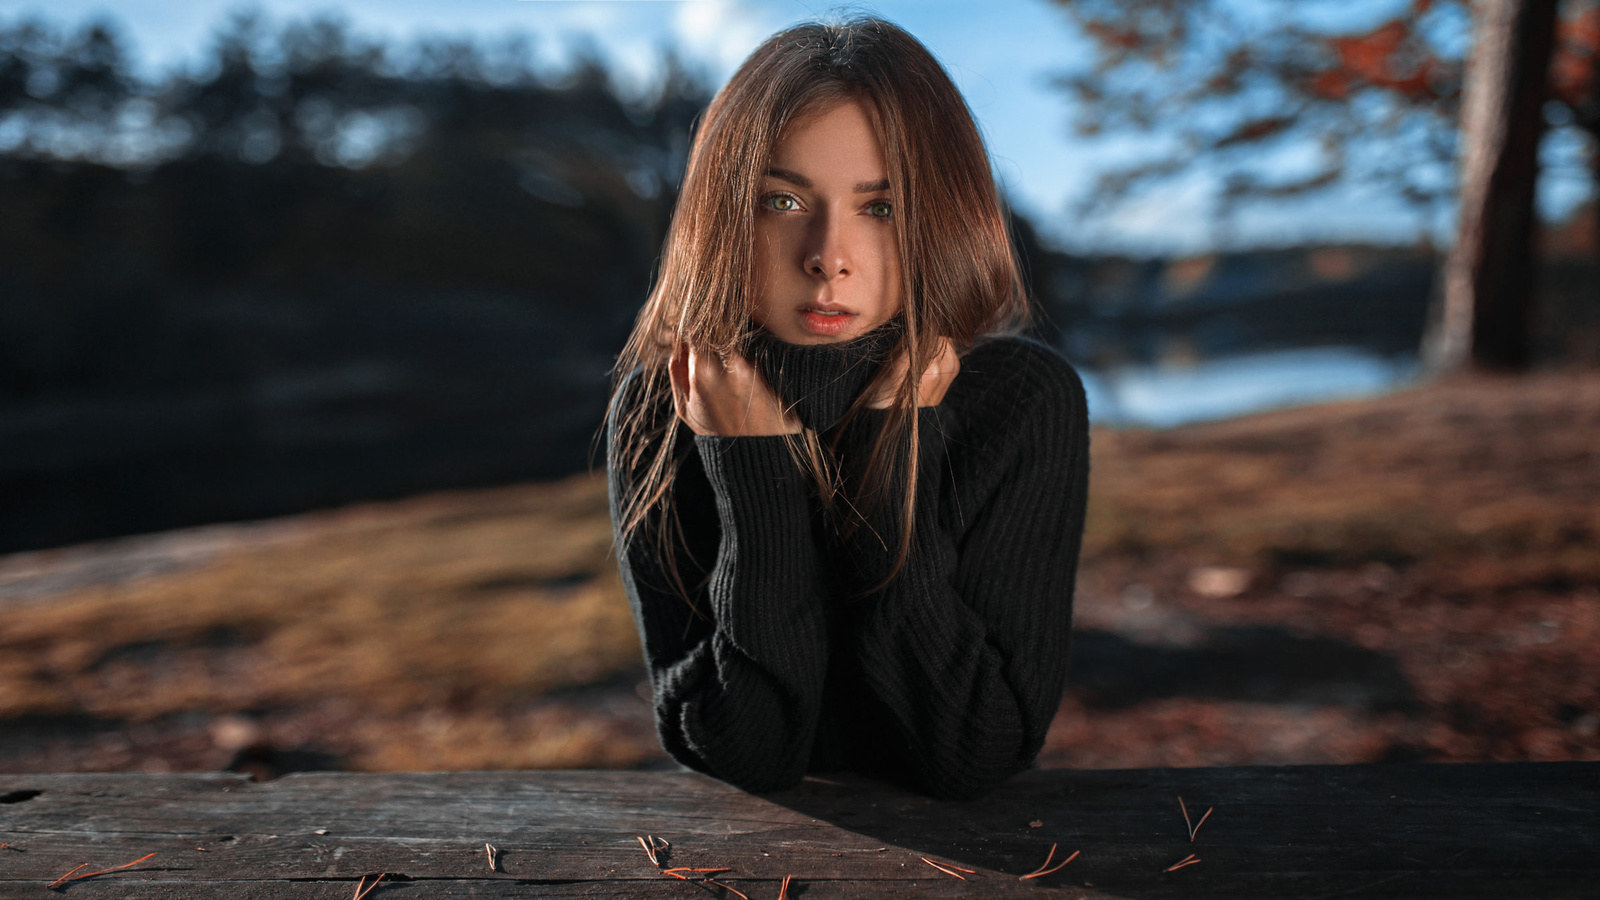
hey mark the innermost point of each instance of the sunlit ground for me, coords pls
(1411, 577)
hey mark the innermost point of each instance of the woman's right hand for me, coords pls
(726, 396)
(931, 387)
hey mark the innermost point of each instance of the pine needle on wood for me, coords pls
(1045, 869)
(711, 871)
(1199, 823)
(652, 846)
(783, 889)
(66, 876)
(1189, 860)
(728, 887)
(360, 893)
(1193, 828)
(70, 877)
(950, 870)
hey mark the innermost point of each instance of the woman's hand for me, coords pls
(727, 397)
(931, 388)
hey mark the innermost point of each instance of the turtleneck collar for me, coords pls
(820, 381)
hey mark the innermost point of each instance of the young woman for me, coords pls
(848, 506)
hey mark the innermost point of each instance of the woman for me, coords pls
(847, 507)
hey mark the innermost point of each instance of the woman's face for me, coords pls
(826, 256)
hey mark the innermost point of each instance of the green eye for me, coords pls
(880, 209)
(782, 203)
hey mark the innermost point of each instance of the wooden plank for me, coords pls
(171, 882)
(550, 828)
(1530, 830)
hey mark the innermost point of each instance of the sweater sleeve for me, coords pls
(737, 666)
(967, 645)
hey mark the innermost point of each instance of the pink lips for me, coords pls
(825, 323)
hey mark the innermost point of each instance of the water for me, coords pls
(1163, 396)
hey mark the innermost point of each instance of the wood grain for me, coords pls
(1516, 829)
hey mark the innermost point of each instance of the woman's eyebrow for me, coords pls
(798, 180)
(794, 178)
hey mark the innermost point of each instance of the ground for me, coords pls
(1409, 577)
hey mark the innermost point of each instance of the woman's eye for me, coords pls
(781, 203)
(880, 209)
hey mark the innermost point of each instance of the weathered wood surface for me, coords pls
(1521, 830)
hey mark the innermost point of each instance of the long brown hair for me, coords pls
(958, 270)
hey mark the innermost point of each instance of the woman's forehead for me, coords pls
(837, 141)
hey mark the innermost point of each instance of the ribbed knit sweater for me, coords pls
(785, 659)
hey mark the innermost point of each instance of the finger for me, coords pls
(678, 369)
(947, 365)
(736, 366)
(939, 374)
(712, 394)
(744, 377)
(705, 371)
(738, 379)
(891, 381)
(729, 374)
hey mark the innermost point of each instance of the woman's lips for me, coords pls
(827, 323)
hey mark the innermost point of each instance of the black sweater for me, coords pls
(789, 662)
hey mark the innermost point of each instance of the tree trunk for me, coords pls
(1489, 276)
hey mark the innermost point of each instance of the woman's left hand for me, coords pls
(931, 388)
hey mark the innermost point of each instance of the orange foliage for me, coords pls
(1572, 71)
(1377, 58)
(1122, 39)
(1331, 84)
(1393, 57)
(1368, 54)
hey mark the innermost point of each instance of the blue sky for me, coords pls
(1000, 52)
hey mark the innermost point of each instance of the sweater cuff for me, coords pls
(764, 585)
(758, 486)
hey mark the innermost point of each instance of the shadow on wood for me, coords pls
(1523, 830)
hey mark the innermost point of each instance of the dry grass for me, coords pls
(1470, 466)
(1453, 528)
(462, 605)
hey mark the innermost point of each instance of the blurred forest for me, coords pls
(1287, 107)
(310, 269)
(1452, 109)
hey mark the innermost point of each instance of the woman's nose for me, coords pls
(829, 250)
